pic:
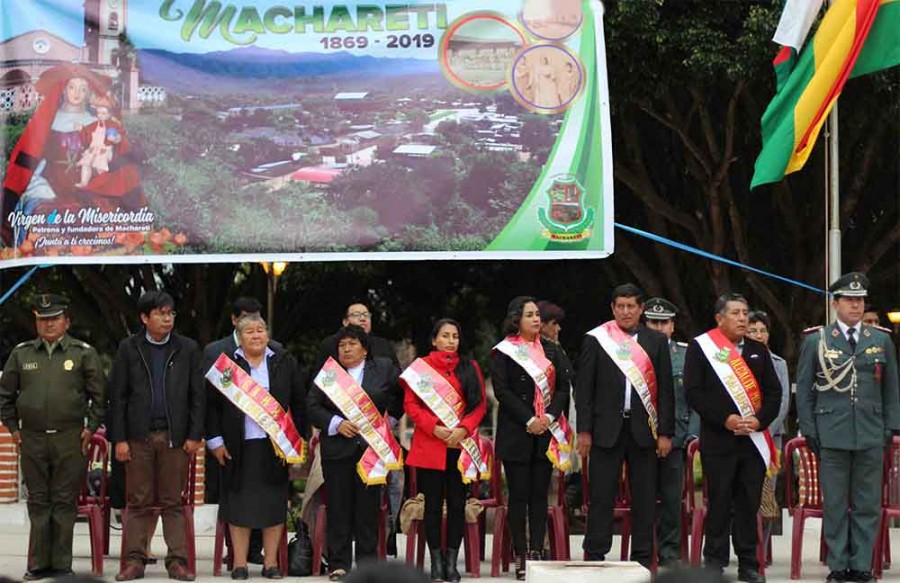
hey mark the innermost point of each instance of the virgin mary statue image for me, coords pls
(43, 172)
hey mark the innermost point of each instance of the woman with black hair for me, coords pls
(444, 397)
(532, 389)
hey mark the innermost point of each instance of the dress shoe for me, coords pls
(836, 577)
(594, 557)
(337, 575)
(272, 573)
(750, 576)
(55, 573)
(36, 574)
(859, 576)
(179, 572)
(240, 574)
(130, 572)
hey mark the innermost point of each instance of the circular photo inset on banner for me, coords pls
(477, 51)
(546, 78)
(552, 19)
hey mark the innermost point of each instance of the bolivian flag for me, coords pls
(856, 37)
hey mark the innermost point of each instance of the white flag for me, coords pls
(796, 20)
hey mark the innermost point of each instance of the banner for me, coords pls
(295, 130)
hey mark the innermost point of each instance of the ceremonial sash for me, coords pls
(384, 453)
(741, 386)
(442, 399)
(559, 452)
(631, 358)
(255, 402)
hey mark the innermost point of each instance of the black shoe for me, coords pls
(272, 573)
(859, 576)
(240, 574)
(837, 577)
(56, 573)
(391, 550)
(36, 574)
(750, 576)
(520, 568)
(594, 557)
(438, 568)
(451, 573)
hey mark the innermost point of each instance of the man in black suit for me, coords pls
(241, 307)
(732, 442)
(357, 314)
(624, 418)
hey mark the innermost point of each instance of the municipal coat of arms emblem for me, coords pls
(566, 219)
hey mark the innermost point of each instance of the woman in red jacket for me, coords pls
(435, 450)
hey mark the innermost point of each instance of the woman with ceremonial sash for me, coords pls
(254, 487)
(533, 395)
(356, 455)
(439, 388)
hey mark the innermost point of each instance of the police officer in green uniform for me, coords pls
(660, 315)
(52, 399)
(847, 404)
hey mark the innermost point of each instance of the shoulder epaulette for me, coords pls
(84, 344)
(21, 344)
(682, 344)
(882, 328)
(811, 329)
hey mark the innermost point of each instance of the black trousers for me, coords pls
(603, 473)
(734, 482)
(352, 510)
(438, 485)
(528, 484)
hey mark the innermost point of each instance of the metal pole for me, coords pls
(834, 205)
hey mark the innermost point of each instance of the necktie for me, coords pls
(852, 338)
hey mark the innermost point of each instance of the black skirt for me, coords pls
(249, 497)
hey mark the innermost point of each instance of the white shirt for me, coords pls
(845, 330)
(627, 406)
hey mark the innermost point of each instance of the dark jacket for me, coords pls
(225, 420)
(130, 391)
(601, 392)
(380, 383)
(708, 397)
(378, 347)
(514, 391)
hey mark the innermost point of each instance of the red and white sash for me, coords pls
(384, 453)
(255, 401)
(560, 452)
(631, 358)
(740, 384)
(443, 400)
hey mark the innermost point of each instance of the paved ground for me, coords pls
(14, 544)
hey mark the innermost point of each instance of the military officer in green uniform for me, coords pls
(847, 404)
(660, 315)
(52, 399)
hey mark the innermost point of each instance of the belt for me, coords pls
(626, 414)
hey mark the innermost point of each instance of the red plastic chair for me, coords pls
(698, 516)
(558, 523)
(803, 501)
(889, 508)
(621, 508)
(495, 499)
(187, 510)
(415, 539)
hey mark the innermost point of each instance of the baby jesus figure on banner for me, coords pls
(102, 136)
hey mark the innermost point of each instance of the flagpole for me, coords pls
(833, 257)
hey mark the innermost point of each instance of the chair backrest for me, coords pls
(188, 497)
(890, 492)
(496, 481)
(808, 491)
(97, 470)
(687, 489)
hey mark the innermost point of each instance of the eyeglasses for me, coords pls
(360, 315)
(161, 314)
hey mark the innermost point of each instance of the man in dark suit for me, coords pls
(621, 417)
(242, 306)
(357, 314)
(352, 506)
(733, 442)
